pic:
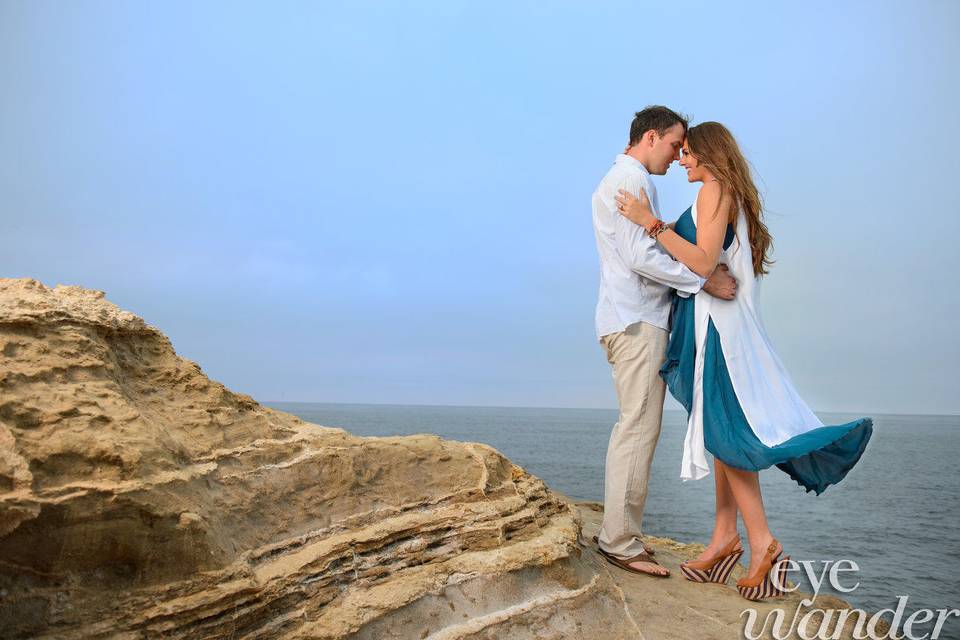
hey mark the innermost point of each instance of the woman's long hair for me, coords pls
(715, 148)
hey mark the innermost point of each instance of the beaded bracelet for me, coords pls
(658, 228)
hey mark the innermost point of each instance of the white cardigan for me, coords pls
(766, 394)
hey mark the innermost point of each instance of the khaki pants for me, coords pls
(636, 354)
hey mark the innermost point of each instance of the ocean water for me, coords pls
(896, 514)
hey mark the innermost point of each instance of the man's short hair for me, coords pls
(656, 117)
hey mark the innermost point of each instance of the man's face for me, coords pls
(666, 149)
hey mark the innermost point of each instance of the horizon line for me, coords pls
(490, 406)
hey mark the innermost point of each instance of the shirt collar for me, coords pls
(630, 160)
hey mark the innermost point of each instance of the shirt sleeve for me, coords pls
(642, 254)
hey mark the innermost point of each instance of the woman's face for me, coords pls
(695, 172)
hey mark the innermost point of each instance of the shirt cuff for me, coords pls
(687, 294)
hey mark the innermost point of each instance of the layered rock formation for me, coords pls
(140, 499)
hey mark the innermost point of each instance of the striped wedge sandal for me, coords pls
(770, 577)
(716, 569)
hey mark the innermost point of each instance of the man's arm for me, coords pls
(721, 284)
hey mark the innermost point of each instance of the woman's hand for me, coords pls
(636, 210)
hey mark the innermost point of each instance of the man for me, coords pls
(637, 280)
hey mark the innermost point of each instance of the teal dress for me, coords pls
(815, 459)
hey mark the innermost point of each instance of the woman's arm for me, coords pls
(702, 258)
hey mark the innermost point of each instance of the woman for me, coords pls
(721, 366)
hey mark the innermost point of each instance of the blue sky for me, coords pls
(385, 202)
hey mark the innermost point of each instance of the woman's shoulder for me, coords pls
(708, 195)
(709, 192)
(711, 186)
(713, 197)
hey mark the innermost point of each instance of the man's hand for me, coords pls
(721, 284)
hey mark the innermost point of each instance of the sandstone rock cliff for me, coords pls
(140, 499)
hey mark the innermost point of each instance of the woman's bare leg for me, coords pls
(745, 486)
(725, 523)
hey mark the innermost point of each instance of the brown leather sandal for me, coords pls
(769, 581)
(715, 569)
(624, 563)
(646, 548)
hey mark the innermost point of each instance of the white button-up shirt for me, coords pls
(637, 277)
